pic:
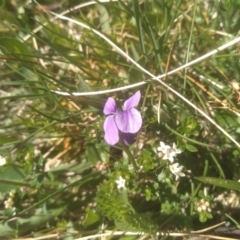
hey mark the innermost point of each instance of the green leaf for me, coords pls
(10, 178)
(189, 126)
(229, 184)
(21, 225)
(13, 47)
(90, 218)
(135, 75)
(202, 217)
(4, 139)
(208, 215)
(93, 153)
(191, 148)
(145, 160)
(138, 18)
(95, 101)
(191, 123)
(104, 18)
(82, 86)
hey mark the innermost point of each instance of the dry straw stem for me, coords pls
(155, 78)
(119, 233)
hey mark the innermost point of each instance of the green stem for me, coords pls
(188, 139)
(130, 156)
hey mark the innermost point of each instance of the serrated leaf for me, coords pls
(228, 184)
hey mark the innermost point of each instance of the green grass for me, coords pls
(60, 63)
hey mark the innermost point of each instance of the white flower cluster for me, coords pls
(9, 203)
(169, 153)
(229, 200)
(203, 205)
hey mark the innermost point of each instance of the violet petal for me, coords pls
(128, 138)
(110, 106)
(132, 101)
(111, 135)
(129, 121)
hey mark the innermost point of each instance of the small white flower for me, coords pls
(174, 149)
(12, 193)
(3, 161)
(9, 203)
(169, 156)
(120, 182)
(177, 170)
(163, 148)
(168, 152)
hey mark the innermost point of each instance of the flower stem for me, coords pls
(130, 156)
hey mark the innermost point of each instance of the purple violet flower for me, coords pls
(125, 122)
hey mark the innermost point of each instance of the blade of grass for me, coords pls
(224, 183)
(138, 18)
